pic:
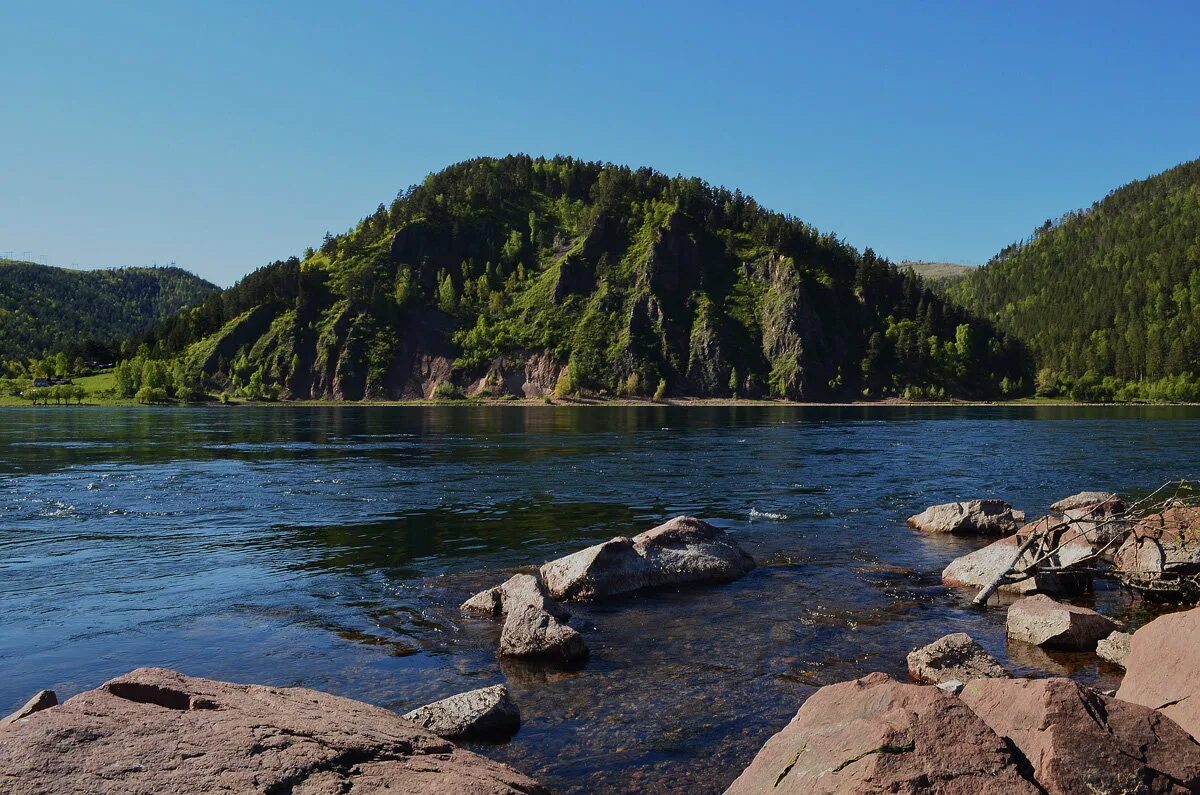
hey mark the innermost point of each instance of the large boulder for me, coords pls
(42, 699)
(683, 550)
(1162, 670)
(955, 657)
(1079, 741)
(534, 624)
(876, 735)
(1101, 502)
(1066, 547)
(158, 732)
(974, 517)
(1044, 622)
(488, 713)
(1161, 556)
(1115, 648)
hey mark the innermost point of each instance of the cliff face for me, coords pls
(523, 277)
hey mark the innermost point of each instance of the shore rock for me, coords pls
(1162, 670)
(158, 732)
(42, 699)
(1114, 648)
(1163, 553)
(1106, 503)
(876, 735)
(974, 517)
(534, 624)
(1044, 622)
(488, 713)
(1079, 741)
(977, 569)
(953, 657)
(683, 550)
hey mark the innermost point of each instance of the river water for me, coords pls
(330, 548)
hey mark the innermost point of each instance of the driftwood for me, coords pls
(1052, 539)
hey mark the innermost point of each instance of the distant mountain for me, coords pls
(1113, 290)
(522, 276)
(44, 309)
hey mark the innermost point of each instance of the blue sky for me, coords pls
(221, 136)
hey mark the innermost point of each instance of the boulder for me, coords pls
(1162, 670)
(1079, 741)
(158, 732)
(1161, 556)
(979, 568)
(876, 735)
(683, 550)
(974, 517)
(42, 699)
(1044, 622)
(488, 713)
(953, 657)
(1102, 502)
(534, 624)
(1114, 648)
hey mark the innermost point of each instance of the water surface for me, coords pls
(330, 547)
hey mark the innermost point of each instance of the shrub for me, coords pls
(448, 391)
(661, 391)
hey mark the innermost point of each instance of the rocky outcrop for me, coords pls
(158, 732)
(955, 657)
(1044, 622)
(534, 624)
(1114, 648)
(981, 567)
(683, 550)
(1162, 555)
(876, 735)
(1162, 670)
(1079, 741)
(1104, 502)
(974, 517)
(488, 713)
(43, 699)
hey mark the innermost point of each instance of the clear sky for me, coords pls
(221, 136)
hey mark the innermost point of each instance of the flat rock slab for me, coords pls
(681, 551)
(43, 699)
(1106, 502)
(955, 657)
(1162, 670)
(1079, 741)
(973, 517)
(981, 567)
(158, 732)
(488, 713)
(1115, 648)
(876, 735)
(1044, 622)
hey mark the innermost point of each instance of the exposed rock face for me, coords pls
(975, 517)
(1163, 548)
(876, 735)
(43, 699)
(534, 624)
(1105, 502)
(1079, 741)
(683, 550)
(1114, 648)
(953, 657)
(981, 567)
(488, 713)
(1044, 622)
(1162, 670)
(158, 732)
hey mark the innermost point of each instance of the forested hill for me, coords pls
(522, 276)
(44, 309)
(1113, 290)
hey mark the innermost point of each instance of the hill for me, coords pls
(522, 276)
(1112, 292)
(938, 275)
(44, 309)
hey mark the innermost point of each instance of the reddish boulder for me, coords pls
(42, 699)
(1162, 554)
(1099, 503)
(1079, 741)
(974, 517)
(1044, 622)
(1162, 670)
(158, 732)
(876, 735)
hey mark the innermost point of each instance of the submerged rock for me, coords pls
(974, 517)
(488, 713)
(1079, 741)
(42, 699)
(1162, 670)
(683, 550)
(955, 657)
(155, 731)
(876, 735)
(1044, 622)
(1114, 648)
(534, 624)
